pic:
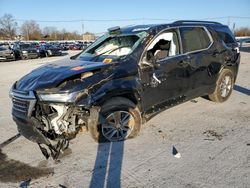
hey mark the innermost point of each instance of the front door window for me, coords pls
(163, 46)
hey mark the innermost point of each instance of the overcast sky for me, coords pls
(98, 15)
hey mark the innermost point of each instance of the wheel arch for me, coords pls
(132, 95)
(234, 68)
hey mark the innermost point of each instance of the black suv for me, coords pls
(25, 51)
(49, 50)
(123, 78)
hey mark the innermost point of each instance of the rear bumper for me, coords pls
(55, 53)
(30, 55)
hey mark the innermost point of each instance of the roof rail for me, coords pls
(195, 22)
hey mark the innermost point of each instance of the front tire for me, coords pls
(119, 120)
(224, 86)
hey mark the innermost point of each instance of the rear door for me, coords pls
(197, 43)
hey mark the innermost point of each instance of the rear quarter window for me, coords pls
(194, 38)
(225, 35)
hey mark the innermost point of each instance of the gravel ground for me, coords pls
(213, 141)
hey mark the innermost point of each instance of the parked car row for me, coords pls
(21, 50)
(74, 46)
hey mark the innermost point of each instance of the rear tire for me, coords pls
(120, 120)
(224, 86)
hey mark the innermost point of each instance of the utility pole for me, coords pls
(27, 32)
(82, 29)
(228, 21)
(233, 27)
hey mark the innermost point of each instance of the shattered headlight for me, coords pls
(62, 97)
(64, 92)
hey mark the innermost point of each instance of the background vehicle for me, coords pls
(6, 53)
(126, 76)
(49, 50)
(24, 51)
(64, 46)
(76, 46)
(35, 45)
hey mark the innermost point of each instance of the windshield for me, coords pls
(112, 47)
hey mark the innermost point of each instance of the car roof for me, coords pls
(151, 27)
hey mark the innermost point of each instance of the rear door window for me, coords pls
(194, 38)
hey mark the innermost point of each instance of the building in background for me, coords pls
(88, 36)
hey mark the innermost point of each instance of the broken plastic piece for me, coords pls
(176, 153)
(44, 151)
(62, 186)
(25, 183)
(13, 138)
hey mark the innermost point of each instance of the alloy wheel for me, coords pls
(225, 86)
(118, 126)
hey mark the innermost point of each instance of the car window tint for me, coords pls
(194, 38)
(225, 34)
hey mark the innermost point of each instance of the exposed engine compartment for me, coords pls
(59, 123)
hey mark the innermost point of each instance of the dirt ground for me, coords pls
(213, 141)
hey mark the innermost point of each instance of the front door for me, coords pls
(164, 71)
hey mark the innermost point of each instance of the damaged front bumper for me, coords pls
(27, 128)
(24, 111)
(23, 104)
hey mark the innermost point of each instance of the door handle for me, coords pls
(156, 79)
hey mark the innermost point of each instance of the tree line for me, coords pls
(30, 30)
(242, 32)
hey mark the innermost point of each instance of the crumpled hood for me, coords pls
(52, 74)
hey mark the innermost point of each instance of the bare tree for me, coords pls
(8, 27)
(31, 30)
(50, 33)
(64, 34)
(243, 31)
